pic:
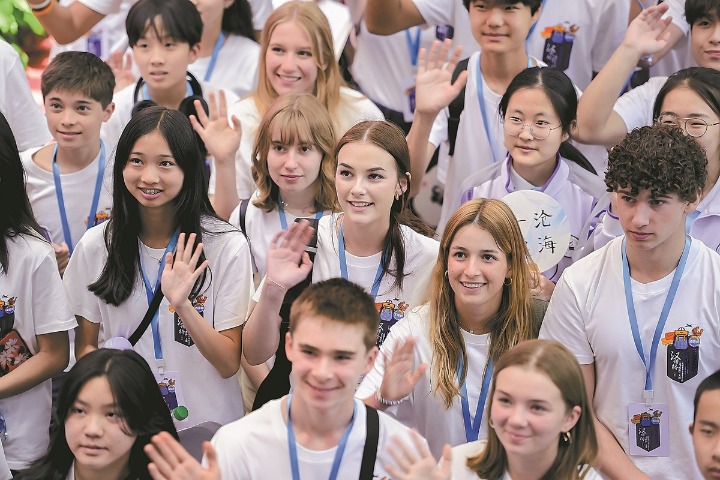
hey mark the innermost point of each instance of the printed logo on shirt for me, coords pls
(13, 349)
(390, 312)
(100, 217)
(559, 41)
(683, 352)
(181, 334)
(7, 314)
(647, 429)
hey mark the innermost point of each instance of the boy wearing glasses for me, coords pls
(641, 314)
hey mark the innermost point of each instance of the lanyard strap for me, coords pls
(150, 292)
(648, 392)
(283, 219)
(413, 44)
(292, 445)
(483, 109)
(213, 58)
(472, 428)
(343, 264)
(61, 199)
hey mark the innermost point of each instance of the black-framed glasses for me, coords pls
(693, 126)
(539, 130)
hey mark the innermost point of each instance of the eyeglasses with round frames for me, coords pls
(539, 130)
(694, 126)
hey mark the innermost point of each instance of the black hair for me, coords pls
(533, 4)
(178, 19)
(17, 217)
(705, 82)
(137, 396)
(562, 95)
(237, 19)
(697, 9)
(710, 383)
(122, 266)
(80, 72)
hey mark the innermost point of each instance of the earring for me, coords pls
(447, 274)
(567, 437)
(507, 282)
(397, 196)
(490, 423)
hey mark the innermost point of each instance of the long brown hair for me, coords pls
(512, 323)
(301, 120)
(309, 17)
(574, 457)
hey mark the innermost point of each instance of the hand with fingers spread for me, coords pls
(648, 33)
(170, 461)
(287, 262)
(221, 139)
(434, 89)
(180, 275)
(399, 378)
(121, 65)
(417, 463)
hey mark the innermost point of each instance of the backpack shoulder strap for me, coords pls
(243, 214)
(456, 107)
(367, 465)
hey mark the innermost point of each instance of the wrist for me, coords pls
(183, 308)
(385, 402)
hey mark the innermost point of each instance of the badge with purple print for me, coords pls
(544, 225)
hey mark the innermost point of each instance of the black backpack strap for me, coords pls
(152, 308)
(367, 465)
(456, 107)
(243, 214)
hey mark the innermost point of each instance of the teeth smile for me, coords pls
(470, 285)
(360, 204)
(150, 191)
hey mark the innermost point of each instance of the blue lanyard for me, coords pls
(472, 428)
(146, 93)
(413, 44)
(292, 445)
(150, 292)
(483, 109)
(648, 392)
(532, 28)
(283, 219)
(216, 50)
(61, 199)
(343, 264)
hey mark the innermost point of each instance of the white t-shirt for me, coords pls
(78, 189)
(423, 410)
(256, 447)
(576, 189)
(208, 396)
(587, 314)
(582, 42)
(353, 108)
(236, 66)
(34, 302)
(636, 106)
(17, 103)
(392, 303)
(462, 453)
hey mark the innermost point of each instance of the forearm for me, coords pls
(221, 351)
(420, 148)
(38, 368)
(86, 337)
(255, 373)
(612, 460)
(67, 24)
(262, 329)
(225, 198)
(385, 17)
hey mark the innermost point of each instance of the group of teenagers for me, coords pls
(296, 281)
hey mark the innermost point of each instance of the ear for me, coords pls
(108, 111)
(403, 184)
(288, 346)
(537, 14)
(194, 53)
(370, 360)
(691, 428)
(692, 206)
(572, 418)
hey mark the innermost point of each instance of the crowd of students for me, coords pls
(223, 233)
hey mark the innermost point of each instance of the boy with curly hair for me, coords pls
(642, 314)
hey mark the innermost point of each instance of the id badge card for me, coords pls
(408, 86)
(171, 390)
(649, 429)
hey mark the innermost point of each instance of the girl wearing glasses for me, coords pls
(690, 99)
(538, 111)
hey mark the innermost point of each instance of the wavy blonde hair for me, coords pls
(511, 324)
(309, 17)
(301, 119)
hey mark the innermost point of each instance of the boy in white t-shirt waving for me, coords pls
(642, 314)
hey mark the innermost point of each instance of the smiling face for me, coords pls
(289, 60)
(96, 433)
(477, 268)
(500, 28)
(74, 119)
(532, 158)
(529, 414)
(293, 168)
(706, 434)
(328, 359)
(152, 175)
(705, 42)
(367, 182)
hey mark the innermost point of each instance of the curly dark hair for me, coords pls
(659, 158)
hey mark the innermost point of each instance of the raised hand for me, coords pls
(287, 262)
(221, 139)
(121, 65)
(648, 32)
(434, 89)
(170, 461)
(180, 275)
(399, 378)
(417, 463)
